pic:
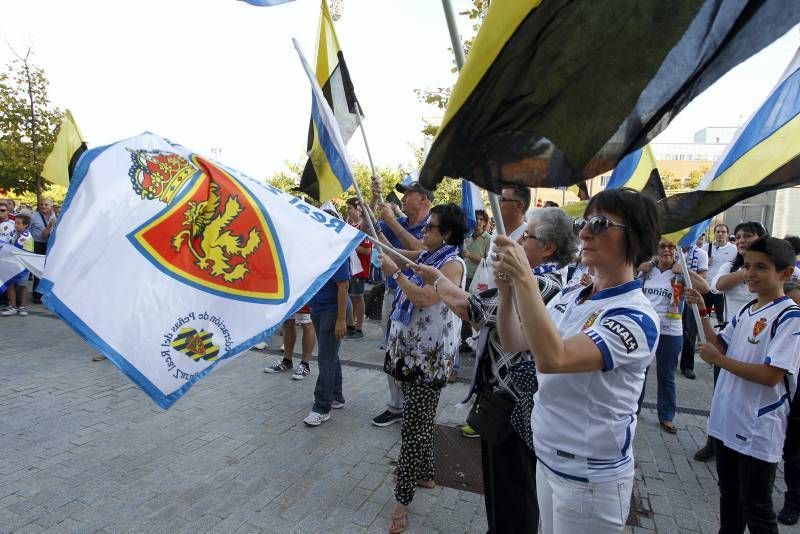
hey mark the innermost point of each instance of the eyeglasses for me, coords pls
(430, 226)
(506, 199)
(525, 236)
(597, 224)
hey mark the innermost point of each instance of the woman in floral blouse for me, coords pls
(422, 344)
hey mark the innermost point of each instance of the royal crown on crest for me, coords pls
(159, 175)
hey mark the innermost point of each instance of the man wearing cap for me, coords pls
(403, 232)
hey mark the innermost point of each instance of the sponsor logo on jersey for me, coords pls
(622, 332)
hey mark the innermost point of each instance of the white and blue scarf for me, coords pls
(403, 307)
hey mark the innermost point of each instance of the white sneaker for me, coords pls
(22, 311)
(301, 372)
(10, 311)
(336, 405)
(316, 419)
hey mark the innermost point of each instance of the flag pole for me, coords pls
(458, 51)
(687, 282)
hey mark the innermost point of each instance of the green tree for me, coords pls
(448, 191)
(439, 96)
(28, 125)
(695, 176)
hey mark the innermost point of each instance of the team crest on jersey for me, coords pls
(759, 327)
(213, 234)
(561, 307)
(592, 318)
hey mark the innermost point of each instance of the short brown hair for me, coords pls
(24, 218)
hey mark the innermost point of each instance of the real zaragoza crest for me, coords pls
(758, 327)
(215, 236)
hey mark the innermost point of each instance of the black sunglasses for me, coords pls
(597, 224)
(430, 226)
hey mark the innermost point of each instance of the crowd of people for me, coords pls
(565, 318)
(29, 230)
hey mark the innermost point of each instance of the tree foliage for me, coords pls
(439, 96)
(448, 191)
(28, 125)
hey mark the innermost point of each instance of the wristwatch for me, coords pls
(395, 275)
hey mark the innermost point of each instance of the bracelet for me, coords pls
(436, 283)
(704, 312)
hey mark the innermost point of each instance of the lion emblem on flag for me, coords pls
(213, 234)
(210, 240)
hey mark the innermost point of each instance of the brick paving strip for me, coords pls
(84, 450)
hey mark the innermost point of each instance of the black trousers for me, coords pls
(716, 301)
(791, 457)
(38, 248)
(745, 492)
(689, 340)
(509, 486)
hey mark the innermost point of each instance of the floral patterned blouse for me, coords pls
(424, 351)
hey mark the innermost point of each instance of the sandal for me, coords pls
(427, 484)
(668, 427)
(398, 523)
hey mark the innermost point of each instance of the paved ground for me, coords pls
(84, 450)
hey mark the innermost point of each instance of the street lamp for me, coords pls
(336, 9)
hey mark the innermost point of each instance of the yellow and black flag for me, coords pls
(66, 151)
(319, 181)
(555, 92)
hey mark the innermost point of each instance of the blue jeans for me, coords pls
(667, 354)
(329, 379)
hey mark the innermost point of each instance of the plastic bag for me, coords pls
(480, 280)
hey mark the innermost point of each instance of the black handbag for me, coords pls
(490, 416)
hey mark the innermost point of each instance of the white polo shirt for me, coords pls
(658, 289)
(584, 423)
(719, 256)
(748, 417)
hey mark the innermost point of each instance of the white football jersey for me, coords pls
(659, 290)
(746, 416)
(584, 423)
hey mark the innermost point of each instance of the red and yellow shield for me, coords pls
(759, 326)
(217, 237)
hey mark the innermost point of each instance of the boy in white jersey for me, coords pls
(757, 353)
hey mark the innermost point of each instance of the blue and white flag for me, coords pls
(331, 144)
(471, 200)
(266, 3)
(763, 155)
(9, 265)
(192, 262)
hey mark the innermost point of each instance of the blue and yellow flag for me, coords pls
(539, 103)
(633, 172)
(320, 180)
(328, 152)
(764, 155)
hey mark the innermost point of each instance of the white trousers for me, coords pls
(572, 507)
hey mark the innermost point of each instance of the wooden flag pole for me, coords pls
(687, 282)
(458, 51)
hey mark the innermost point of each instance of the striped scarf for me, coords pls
(402, 305)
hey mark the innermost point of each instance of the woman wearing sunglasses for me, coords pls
(423, 339)
(591, 346)
(507, 380)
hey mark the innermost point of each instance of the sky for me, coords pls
(222, 77)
